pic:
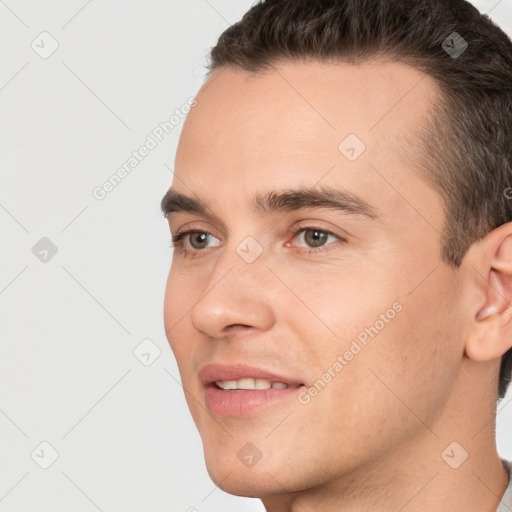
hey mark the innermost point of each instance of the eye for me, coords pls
(315, 237)
(312, 237)
(196, 240)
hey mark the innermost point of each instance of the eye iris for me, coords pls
(198, 237)
(317, 239)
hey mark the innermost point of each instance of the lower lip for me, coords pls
(243, 402)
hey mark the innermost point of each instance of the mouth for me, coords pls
(237, 390)
(247, 383)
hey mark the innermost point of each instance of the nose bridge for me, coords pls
(236, 291)
(244, 258)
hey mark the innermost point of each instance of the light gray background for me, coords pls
(69, 326)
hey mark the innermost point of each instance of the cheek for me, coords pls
(177, 303)
(396, 349)
(333, 306)
(412, 364)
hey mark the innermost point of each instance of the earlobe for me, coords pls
(485, 341)
(489, 338)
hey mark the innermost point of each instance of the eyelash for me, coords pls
(177, 241)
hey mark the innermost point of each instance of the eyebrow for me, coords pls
(289, 200)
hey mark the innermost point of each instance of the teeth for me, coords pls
(261, 384)
(230, 384)
(250, 384)
(246, 384)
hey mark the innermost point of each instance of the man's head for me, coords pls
(347, 168)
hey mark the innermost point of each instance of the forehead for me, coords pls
(305, 108)
(290, 125)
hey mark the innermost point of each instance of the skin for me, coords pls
(372, 439)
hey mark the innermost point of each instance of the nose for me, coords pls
(236, 297)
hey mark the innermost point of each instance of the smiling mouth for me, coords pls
(246, 384)
(239, 390)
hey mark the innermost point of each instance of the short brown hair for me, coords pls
(465, 147)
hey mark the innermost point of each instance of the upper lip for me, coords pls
(212, 372)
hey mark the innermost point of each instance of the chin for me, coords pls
(249, 483)
(270, 475)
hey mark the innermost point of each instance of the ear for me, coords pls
(490, 334)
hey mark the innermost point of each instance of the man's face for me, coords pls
(355, 313)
